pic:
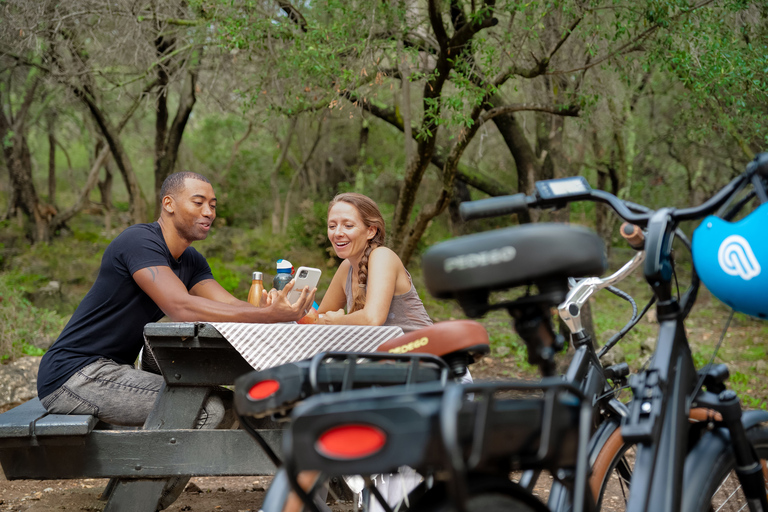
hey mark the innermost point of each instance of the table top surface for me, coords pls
(268, 345)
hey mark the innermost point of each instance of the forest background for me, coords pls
(420, 104)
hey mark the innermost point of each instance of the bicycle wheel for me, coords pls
(486, 494)
(612, 472)
(715, 479)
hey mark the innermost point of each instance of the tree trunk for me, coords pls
(168, 141)
(362, 149)
(300, 168)
(19, 163)
(528, 168)
(274, 182)
(104, 152)
(138, 207)
(51, 158)
(460, 194)
(161, 126)
(105, 188)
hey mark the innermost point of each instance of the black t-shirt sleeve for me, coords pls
(134, 250)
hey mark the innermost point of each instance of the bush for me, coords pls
(24, 328)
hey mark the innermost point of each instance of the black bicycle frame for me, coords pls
(664, 393)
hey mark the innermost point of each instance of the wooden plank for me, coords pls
(18, 421)
(31, 419)
(134, 496)
(176, 407)
(193, 365)
(141, 454)
(65, 425)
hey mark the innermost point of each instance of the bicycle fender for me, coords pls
(712, 446)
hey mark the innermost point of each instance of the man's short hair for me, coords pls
(175, 182)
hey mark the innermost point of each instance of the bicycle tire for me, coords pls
(612, 472)
(710, 479)
(486, 494)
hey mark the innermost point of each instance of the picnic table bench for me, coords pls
(193, 358)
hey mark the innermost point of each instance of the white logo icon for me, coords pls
(737, 259)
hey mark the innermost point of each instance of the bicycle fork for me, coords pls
(749, 468)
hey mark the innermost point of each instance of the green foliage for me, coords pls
(24, 328)
(229, 279)
(719, 56)
(308, 227)
(744, 385)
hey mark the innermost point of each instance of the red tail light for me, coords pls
(351, 441)
(263, 389)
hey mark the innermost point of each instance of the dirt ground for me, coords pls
(232, 494)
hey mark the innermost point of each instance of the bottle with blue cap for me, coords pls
(284, 274)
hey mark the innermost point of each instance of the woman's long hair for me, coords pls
(371, 216)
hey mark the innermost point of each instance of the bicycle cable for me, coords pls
(616, 337)
(614, 391)
(714, 354)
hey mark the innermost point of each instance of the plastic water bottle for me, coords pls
(257, 287)
(284, 274)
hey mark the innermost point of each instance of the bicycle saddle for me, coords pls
(441, 339)
(511, 257)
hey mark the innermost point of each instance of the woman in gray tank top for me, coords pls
(371, 283)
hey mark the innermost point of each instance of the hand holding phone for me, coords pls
(305, 276)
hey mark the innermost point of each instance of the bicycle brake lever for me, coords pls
(581, 291)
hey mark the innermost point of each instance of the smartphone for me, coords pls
(305, 276)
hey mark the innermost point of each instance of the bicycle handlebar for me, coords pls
(495, 206)
(557, 193)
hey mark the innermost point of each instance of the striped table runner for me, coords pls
(268, 345)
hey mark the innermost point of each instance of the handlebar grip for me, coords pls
(633, 235)
(493, 207)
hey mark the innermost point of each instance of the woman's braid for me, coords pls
(362, 275)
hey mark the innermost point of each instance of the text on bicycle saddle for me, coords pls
(510, 257)
(441, 339)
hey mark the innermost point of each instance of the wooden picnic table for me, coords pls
(193, 358)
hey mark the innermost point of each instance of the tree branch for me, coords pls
(560, 110)
(633, 44)
(236, 148)
(293, 14)
(437, 25)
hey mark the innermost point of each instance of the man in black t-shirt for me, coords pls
(147, 272)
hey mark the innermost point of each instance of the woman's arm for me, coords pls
(384, 270)
(335, 297)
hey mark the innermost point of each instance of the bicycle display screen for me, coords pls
(563, 187)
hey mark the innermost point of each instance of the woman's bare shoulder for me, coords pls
(385, 253)
(384, 257)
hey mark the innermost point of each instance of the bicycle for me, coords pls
(669, 387)
(585, 374)
(666, 393)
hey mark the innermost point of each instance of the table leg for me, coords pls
(135, 496)
(175, 408)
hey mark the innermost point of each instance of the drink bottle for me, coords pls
(257, 286)
(284, 274)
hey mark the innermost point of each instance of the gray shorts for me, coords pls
(119, 394)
